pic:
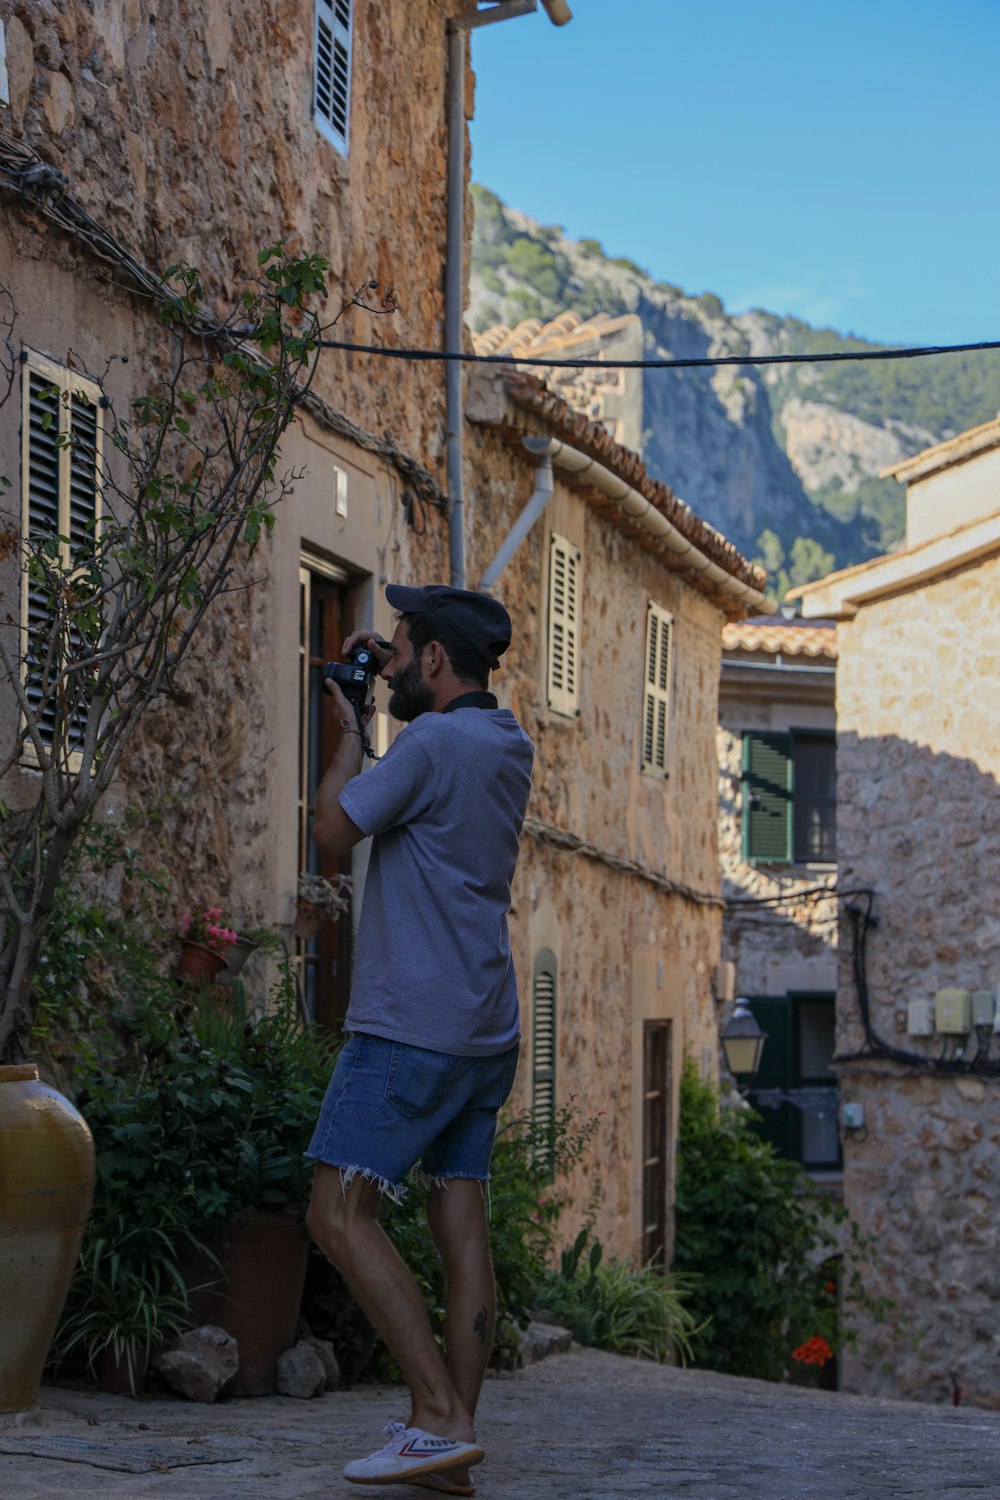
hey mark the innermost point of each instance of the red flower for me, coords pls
(815, 1351)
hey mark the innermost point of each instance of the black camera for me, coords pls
(354, 678)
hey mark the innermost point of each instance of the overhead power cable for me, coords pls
(706, 361)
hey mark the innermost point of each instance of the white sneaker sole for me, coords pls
(432, 1465)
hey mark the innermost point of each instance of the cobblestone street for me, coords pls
(582, 1425)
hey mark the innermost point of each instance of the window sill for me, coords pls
(791, 865)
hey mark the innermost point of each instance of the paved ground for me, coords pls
(583, 1425)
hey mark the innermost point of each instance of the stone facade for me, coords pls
(629, 952)
(792, 947)
(780, 933)
(918, 721)
(159, 121)
(918, 768)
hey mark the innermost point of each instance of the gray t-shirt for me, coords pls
(432, 964)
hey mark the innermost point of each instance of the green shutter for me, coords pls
(767, 797)
(543, 1056)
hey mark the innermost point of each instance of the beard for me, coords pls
(411, 696)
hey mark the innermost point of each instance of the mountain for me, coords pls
(783, 459)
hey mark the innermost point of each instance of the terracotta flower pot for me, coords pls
(46, 1187)
(258, 1304)
(200, 962)
(309, 919)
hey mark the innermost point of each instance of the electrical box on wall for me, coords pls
(983, 1008)
(953, 1012)
(920, 1018)
(853, 1116)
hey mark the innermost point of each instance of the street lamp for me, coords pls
(742, 1043)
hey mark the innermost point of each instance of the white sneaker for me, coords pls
(411, 1451)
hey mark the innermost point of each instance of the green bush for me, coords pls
(198, 1115)
(755, 1230)
(615, 1305)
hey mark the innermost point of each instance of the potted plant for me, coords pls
(205, 942)
(319, 899)
(201, 1122)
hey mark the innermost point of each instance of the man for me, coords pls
(433, 1018)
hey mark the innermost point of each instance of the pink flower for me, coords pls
(205, 927)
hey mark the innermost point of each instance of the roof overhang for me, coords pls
(956, 450)
(839, 596)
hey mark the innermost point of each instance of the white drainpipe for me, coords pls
(544, 486)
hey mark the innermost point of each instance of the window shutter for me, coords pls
(656, 692)
(815, 799)
(564, 626)
(332, 70)
(42, 517)
(543, 1054)
(767, 797)
(60, 499)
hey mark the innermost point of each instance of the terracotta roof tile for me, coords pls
(783, 639)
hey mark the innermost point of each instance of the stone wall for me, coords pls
(775, 949)
(186, 132)
(182, 126)
(627, 952)
(919, 823)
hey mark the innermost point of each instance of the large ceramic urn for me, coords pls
(46, 1186)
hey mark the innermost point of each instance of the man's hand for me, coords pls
(380, 649)
(344, 710)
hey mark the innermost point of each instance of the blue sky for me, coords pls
(836, 161)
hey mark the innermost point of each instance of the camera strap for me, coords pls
(366, 744)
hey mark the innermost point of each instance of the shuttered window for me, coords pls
(61, 465)
(332, 70)
(656, 692)
(790, 797)
(564, 627)
(543, 1054)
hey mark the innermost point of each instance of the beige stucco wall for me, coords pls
(919, 823)
(953, 497)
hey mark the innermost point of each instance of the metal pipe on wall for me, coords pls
(455, 250)
(472, 17)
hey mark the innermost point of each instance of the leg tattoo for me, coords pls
(479, 1323)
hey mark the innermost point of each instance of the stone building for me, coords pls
(777, 848)
(131, 139)
(621, 594)
(918, 830)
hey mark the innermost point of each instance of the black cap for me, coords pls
(481, 621)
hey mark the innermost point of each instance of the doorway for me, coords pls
(324, 962)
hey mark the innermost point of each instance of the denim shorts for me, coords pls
(390, 1107)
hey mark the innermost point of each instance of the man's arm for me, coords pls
(334, 832)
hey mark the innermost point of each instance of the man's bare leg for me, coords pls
(457, 1218)
(456, 1214)
(345, 1226)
